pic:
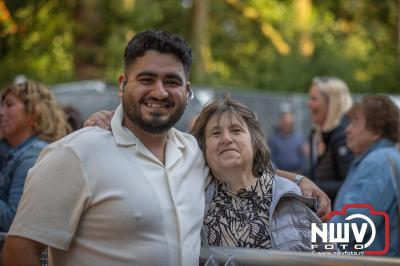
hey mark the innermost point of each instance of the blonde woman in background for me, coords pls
(30, 118)
(329, 101)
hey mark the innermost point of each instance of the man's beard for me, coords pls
(155, 124)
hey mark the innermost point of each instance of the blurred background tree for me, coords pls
(262, 44)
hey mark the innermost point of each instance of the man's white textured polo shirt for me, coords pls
(102, 198)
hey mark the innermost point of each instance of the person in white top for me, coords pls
(129, 196)
(132, 196)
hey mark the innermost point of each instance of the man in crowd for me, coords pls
(130, 196)
(287, 146)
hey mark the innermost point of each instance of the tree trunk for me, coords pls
(87, 39)
(199, 39)
(398, 33)
(397, 71)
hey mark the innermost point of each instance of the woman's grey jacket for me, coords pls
(291, 216)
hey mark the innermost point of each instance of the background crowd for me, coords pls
(365, 133)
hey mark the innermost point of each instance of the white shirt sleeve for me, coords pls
(56, 193)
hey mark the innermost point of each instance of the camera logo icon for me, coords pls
(357, 232)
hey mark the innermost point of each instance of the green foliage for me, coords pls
(361, 49)
(354, 40)
(41, 49)
(136, 16)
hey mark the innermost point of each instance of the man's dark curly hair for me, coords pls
(161, 41)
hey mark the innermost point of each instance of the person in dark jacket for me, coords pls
(329, 101)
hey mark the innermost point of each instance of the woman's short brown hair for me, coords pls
(218, 107)
(381, 116)
(50, 122)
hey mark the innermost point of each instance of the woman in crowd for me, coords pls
(329, 101)
(29, 119)
(247, 204)
(373, 177)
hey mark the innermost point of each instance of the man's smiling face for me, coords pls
(155, 93)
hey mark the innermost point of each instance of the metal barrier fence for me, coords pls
(267, 107)
(90, 96)
(265, 104)
(259, 257)
(88, 102)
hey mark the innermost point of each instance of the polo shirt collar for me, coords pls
(175, 138)
(122, 135)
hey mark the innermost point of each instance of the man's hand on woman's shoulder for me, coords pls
(101, 119)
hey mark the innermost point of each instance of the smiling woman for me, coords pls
(247, 204)
(229, 150)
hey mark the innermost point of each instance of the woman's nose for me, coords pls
(226, 138)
